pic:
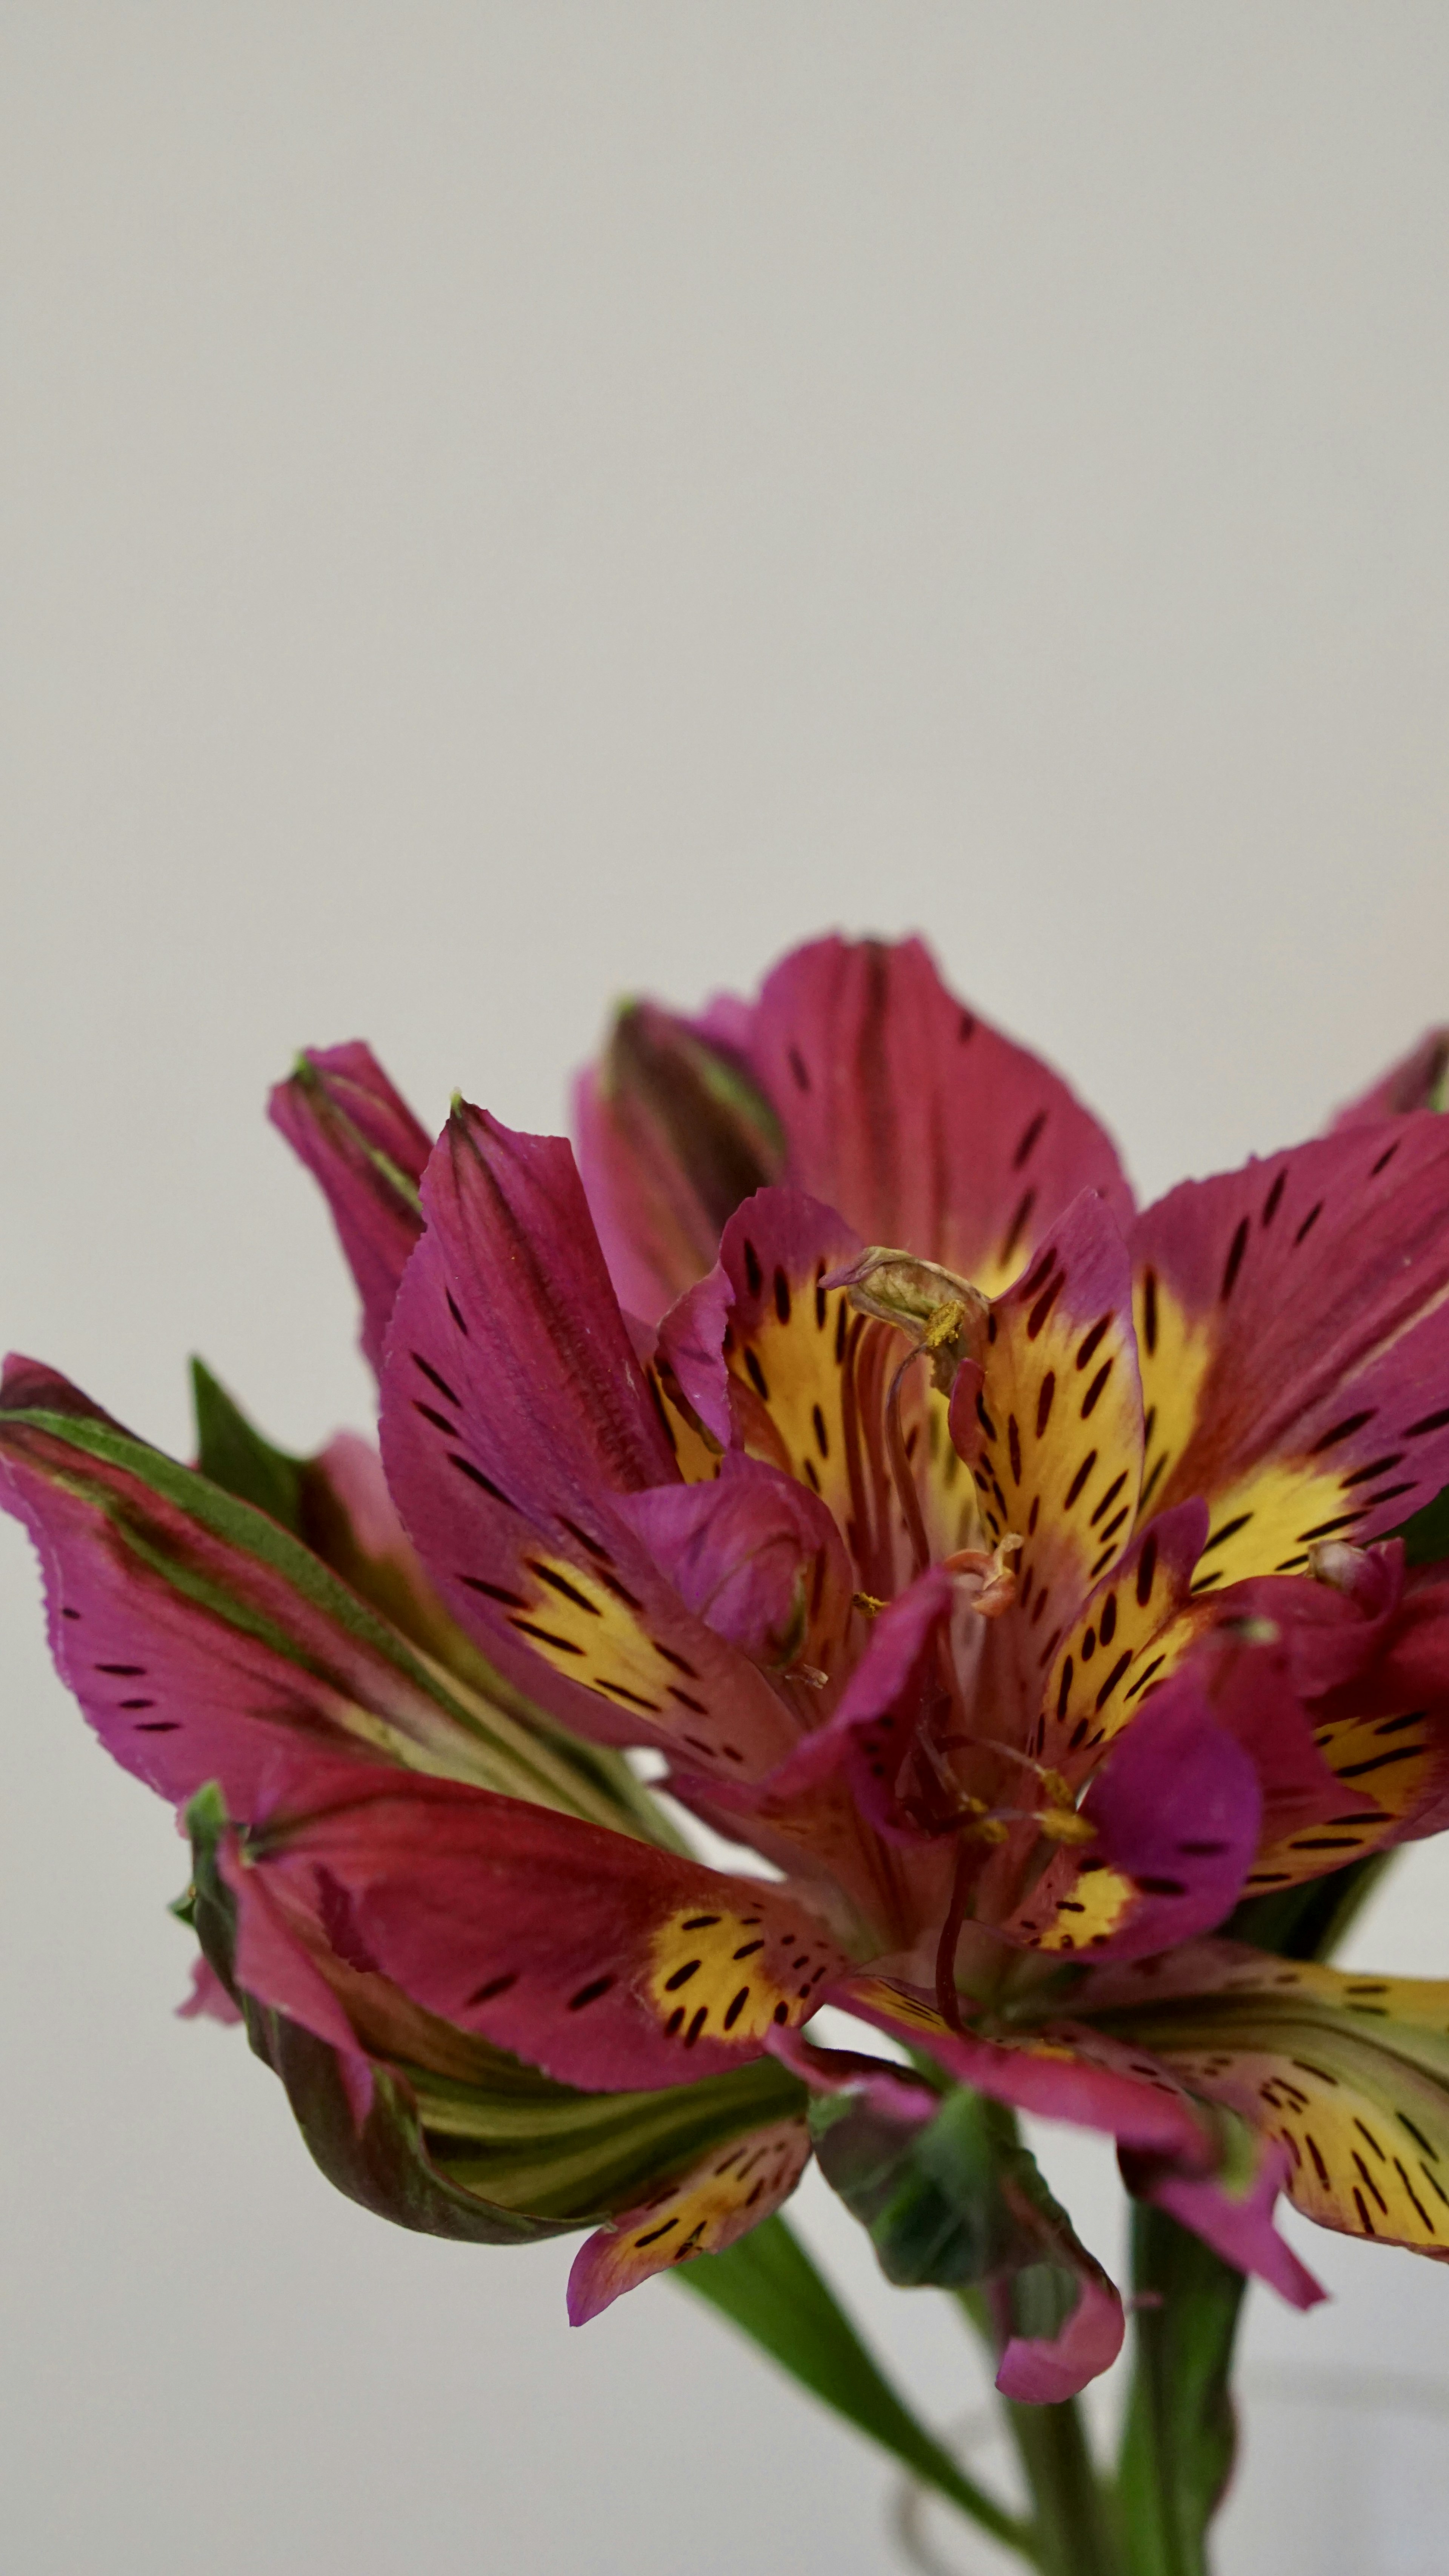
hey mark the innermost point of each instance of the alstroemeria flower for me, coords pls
(1004, 1569)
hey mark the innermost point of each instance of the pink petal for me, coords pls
(601, 1960)
(202, 1642)
(1294, 1322)
(1237, 2225)
(360, 1140)
(1177, 1811)
(920, 1123)
(1042, 2370)
(515, 1421)
(756, 1556)
(1415, 1082)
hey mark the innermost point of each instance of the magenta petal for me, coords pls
(515, 1421)
(920, 1123)
(891, 2090)
(1310, 1293)
(1042, 2370)
(755, 1555)
(208, 1999)
(1417, 1081)
(777, 1236)
(1237, 2225)
(601, 1960)
(1063, 2072)
(1178, 1810)
(672, 1136)
(202, 1642)
(360, 1140)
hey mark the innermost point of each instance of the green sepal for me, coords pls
(233, 1454)
(768, 2287)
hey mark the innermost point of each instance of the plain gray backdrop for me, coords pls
(506, 505)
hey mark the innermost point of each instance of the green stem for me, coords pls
(1070, 2532)
(1070, 2526)
(1178, 2435)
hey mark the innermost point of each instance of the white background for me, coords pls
(509, 504)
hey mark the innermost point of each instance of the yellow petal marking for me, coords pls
(1099, 1900)
(1174, 1353)
(697, 1456)
(590, 1632)
(809, 1390)
(732, 1977)
(1265, 1520)
(729, 2191)
(1115, 1655)
(1061, 1451)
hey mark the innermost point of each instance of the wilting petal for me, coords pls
(359, 1139)
(604, 1962)
(1232, 2212)
(1350, 2073)
(920, 1123)
(1177, 1809)
(719, 2200)
(672, 1135)
(758, 1557)
(202, 1640)
(1417, 1081)
(1293, 1324)
(515, 1418)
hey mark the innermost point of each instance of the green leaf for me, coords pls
(768, 2287)
(234, 1455)
(1178, 2435)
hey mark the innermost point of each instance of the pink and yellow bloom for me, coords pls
(1009, 1571)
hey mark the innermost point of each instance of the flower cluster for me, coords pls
(1005, 1573)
